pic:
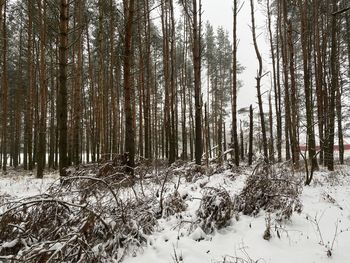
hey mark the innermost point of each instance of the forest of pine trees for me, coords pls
(89, 80)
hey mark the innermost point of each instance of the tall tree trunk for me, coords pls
(303, 5)
(275, 88)
(173, 105)
(285, 58)
(197, 79)
(258, 88)
(329, 155)
(271, 141)
(242, 143)
(62, 92)
(293, 98)
(166, 71)
(278, 89)
(41, 154)
(147, 97)
(128, 85)
(234, 86)
(184, 100)
(20, 89)
(77, 104)
(340, 121)
(251, 131)
(319, 79)
(4, 88)
(52, 147)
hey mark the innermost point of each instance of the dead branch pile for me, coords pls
(174, 204)
(109, 171)
(70, 225)
(271, 189)
(194, 172)
(215, 210)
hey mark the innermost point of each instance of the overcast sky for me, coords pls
(219, 13)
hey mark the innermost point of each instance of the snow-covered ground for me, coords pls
(18, 184)
(322, 227)
(300, 240)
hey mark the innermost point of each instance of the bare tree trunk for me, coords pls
(184, 100)
(147, 100)
(196, 26)
(234, 87)
(41, 154)
(251, 131)
(4, 89)
(1, 88)
(173, 107)
(52, 140)
(166, 71)
(62, 93)
(18, 101)
(278, 87)
(340, 121)
(141, 85)
(293, 98)
(128, 86)
(258, 80)
(275, 88)
(285, 59)
(329, 155)
(308, 91)
(206, 136)
(319, 79)
(271, 141)
(242, 143)
(77, 105)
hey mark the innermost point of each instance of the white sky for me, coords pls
(219, 13)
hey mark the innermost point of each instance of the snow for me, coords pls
(198, 234)
(22, 184)
(322, 227)
(299, 239)
(9, 244)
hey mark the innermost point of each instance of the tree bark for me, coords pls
(251, 131)
(307, 88)
(128, 86)
(4, 88)
(41, 155)
(234, 87)
(62, 93)
(258, 88)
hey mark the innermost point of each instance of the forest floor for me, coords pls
(320, 233)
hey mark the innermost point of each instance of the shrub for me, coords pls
(56, 228)
(215, 210)
(271, 189)
(174, 204)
